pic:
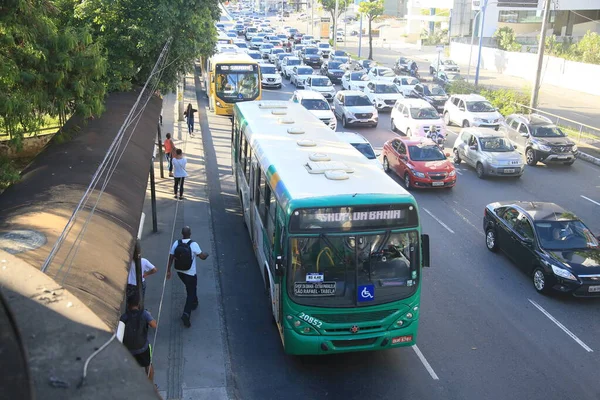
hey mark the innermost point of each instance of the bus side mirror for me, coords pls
(212, 79)
(278, 266)
(425, 251)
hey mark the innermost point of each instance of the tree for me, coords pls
(588, 48)
(329, 5)
(371, 9)
(505, 38)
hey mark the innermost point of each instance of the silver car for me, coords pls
(489, 152)
(354, 108)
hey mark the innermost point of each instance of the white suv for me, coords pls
(270, 76)
(471, 110)
(416, 117)
(321, 84)
(383, 95)
(317, 105)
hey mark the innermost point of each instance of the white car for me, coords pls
(274, 53)
(317, 105)
(280, 58)
(265, 50)
(471, 110)
(307, 40)
(354, 80)
(288, 64)
(361, 144)
(269, 75)
(446, 65)
(339, 37)
(354, 108)
(299, 75)
(324, 50)
(406, 84)
(321, 84)
(416, 117)
(381, 74)
(383, 95)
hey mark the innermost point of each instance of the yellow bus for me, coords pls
(231, 78)
(223, 39)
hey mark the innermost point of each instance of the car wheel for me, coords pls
(465, 124)
(386, 164)
(530, 157)
(392, 125)
(407, 181)
(490, 240)
(456, 158)
(408, 132)
(344, 122)
(447, 118)
(540, 283)
(480, 171)
(431, 70)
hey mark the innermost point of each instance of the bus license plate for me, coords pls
(509, 170)
(594, 289)
(437, 183)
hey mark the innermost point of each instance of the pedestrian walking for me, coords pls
(183, 256)
(169, 152)
(147, 270)
(179, 164)
(135, 338)
(189, 117)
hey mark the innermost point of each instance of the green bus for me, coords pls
(338, 242)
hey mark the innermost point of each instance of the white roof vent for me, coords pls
(336, 175)
(279, 112)
(295, 130)
(306, 143)
(286, 121)
(320, 167)
(272, 104)
(319, 157)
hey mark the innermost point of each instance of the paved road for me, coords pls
(481, 331)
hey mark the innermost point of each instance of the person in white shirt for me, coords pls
(183, 254)
(147, 270)
(179, 164)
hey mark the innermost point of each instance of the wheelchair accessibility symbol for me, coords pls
(366, 293)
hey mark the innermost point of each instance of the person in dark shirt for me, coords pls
(135, 337)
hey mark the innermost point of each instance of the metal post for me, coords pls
(360, 35)
(180, 100)
(335, 15)
(312, 18)
(536, 86)
(153, 197)
(160, 152)
(472, 40)
(437, 68)
(137, 260)
(483, 8)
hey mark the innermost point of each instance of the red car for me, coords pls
(419, 162)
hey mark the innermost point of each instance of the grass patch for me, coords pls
(48, 126)
(9, 173)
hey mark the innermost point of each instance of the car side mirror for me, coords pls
(527, 241)
(278, 266)
(377, 154)
(425, 255)
(447, 155)
(524, 134)
(461, 108)
(473, 147)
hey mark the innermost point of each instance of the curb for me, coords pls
(588, 158)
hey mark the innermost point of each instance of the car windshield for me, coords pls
(403, 60)
(387, 89)
(334, 65)
(357, 76)
(342, 59)
(255, 56)
(328, 270)
(305, 71)
(293, 62)
(340, 53)
(565, 235)
(315, 104)
(448, 62)
(281, 56)
(367, 63)
(266, 46)
(268, 69)
(433, 91)
(424, 113)
(311, 50)
(321, 82)
(385, 72)
(256, 40)
(365, 149)
(547, 131)
(356, 101)
(323, 45)
(495, 144)
(480, 106)
(428, 152)
(277, 51)
(276, 43)
(242, 45)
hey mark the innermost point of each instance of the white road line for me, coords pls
(457, 171)
(593, 201)
(425, 363)
(438, 220)
(561, 326)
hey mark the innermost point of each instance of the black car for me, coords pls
(310, 56)
(433, 94)
(332, 70)
(548, 242)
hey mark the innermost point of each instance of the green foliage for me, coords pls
(371, 9)
(9, 173)
(503, 99)
(587, 50)
(435, 38)
(506, 40)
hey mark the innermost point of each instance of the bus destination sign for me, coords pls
(314, 288)
(353, 218)
(235, 68)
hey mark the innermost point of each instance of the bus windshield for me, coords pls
(237, 82)
(330, 270)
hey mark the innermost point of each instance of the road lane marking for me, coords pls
(457, 171)
(438, 220)
(593, 201)
(425, 363)
(561, 326)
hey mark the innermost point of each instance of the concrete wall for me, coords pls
(31, 146)
(556, 71)
(522, 29)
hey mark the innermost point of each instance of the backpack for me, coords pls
(183, 255)
(136, 330)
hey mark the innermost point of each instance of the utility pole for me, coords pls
(538, 76)
(335, 14)
(483, 8)
(360, 36)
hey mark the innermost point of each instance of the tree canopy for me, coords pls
(371, 9)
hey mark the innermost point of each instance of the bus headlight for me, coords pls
(219, 104)
(405, 320)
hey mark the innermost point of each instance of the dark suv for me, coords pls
(539, 139)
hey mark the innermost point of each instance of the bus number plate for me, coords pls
(310, 320)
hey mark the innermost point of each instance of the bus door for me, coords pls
(254, 176)
(278, 249)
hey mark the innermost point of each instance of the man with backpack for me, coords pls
(135, 337)
(183, 256)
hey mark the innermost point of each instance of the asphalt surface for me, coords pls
(483, 334)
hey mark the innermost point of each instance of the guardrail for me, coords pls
(583, 133)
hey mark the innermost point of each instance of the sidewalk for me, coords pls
(190, 363)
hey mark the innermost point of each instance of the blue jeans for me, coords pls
(190, 282)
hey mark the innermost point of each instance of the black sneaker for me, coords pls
(181, 197)
(186, 320)
(195, 306)
(175, 197)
